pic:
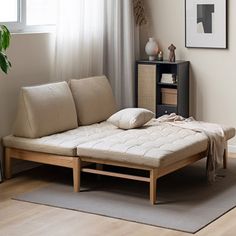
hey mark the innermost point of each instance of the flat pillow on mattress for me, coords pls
(131, 118)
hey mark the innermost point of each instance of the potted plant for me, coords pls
(5, 37)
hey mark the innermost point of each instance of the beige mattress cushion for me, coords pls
(63, 143)
(94, 99)
(45, 110)
(153, 145)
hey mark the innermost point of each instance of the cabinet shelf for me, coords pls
(165, 109)
(167, 105)
(152, 94)
(167, 85)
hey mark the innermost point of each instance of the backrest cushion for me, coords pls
(44, 110)
(94, 99)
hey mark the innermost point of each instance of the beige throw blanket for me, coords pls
(215, 134)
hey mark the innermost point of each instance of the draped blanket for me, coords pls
(215, 134)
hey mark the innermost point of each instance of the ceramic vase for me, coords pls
(151, 49)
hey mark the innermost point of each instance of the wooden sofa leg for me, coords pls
(225, 157)
(7, 160)
(76, 174)
(153, 186)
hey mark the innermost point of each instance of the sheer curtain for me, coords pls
(97, 37)
(119, 49)
(79, 39)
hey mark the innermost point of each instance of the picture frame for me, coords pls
(206, 24)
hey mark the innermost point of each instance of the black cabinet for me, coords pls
(163, 87)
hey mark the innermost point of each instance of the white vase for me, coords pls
(151, 49)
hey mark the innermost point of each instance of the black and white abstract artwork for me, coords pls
(205, 18)
(205, 24)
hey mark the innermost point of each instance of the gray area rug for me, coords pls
(186, 202)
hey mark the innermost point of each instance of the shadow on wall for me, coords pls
(192, 92)
(1, 168)
(195, 96)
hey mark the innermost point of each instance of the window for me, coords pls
(41, 12)
(28, 15)
(8, 10)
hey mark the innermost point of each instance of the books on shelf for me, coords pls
(168, 78)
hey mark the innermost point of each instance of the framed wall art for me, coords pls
(206, 23)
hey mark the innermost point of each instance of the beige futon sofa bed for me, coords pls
(66, 125)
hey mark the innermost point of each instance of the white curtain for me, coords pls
(119, 49)
(79, 39)
(97, 37)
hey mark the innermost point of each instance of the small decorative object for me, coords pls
(151, 49)
(160, 56)
(172, 53)
(139, 12)
(168, 78)
(205, 24)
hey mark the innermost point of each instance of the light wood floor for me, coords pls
(24, 219)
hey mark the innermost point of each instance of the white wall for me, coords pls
(31, 58)
(213, 72)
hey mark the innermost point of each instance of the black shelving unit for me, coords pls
(149, 93)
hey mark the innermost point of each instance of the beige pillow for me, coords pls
(131, 118)
(94, 99)
(44, 110)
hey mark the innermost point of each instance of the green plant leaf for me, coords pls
(5, 64)
(0, 40)
(6, 36)
(9, 63)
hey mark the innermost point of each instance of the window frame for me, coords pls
(20, 25)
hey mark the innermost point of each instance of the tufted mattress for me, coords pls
(153, 145)
(63, 143)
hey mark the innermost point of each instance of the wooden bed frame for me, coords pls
(76, 163)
